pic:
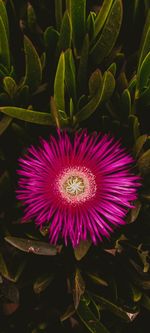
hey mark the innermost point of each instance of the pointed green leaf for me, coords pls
(89, 319)
(126, 103)
(51, 37)
(4, 123)
(95, 82)
(109, 34)
(31, 246)
(108, 305)
(145, 43)
(59, 84)
(102, 16)
(81, 250)
(4, 46)
(144, 163)
(10, 86)
(33, 74)
(83, 67)
(143, 79)
(134, 126)
(3, 14)
(70, 74)
(112, 68)
(139, 144)
(78, 16)
(90, 25)
(78, 288)
(34, 117)
(42, 283)
(104, 92)
(58, 13)
(65, 37)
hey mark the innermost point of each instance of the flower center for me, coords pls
(76, 185)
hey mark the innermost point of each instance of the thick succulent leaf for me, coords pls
(3, 14)
(139, 145)
(51, 37)
(89, 319)
(107, 304)
(42, 283)
(83, 67)
(112, 68)
(58, 13)
(30, 116)
(78, 288)
(4, 46)
(144, 162)
(78, 18)
(102, 16)
(145, 43)
(106, 88)
(144, 73)
(95, 82)
(65, 37)
(134, 126)
(81, 250)
(126, 103)
(59, 84)
(4, 123)
(70, 74)
(108, 37)
(90, 25)
(33, 74)
(10, 86)
(31, 246)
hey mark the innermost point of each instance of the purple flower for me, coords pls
(82, 186)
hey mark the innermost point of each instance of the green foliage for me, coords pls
(73, 66)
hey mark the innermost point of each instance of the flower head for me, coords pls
(82, 186)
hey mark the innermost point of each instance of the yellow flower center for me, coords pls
(74, 185)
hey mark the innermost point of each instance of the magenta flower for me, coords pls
(82, 186)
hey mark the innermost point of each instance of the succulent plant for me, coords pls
(70, 65)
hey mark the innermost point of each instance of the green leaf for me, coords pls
(145, 44)
(34, 117)
(78, 17)
(65, 37)
(33, 74)
(144, 162)
(108, 305)
(31, 246)
(89, 319)
(102, 16)
(4, 46)
(126, 103)
(81, 250)
(51, 37)
(109, 34)
(139, 144)
(134, 212)
(3, 267)
(90, 25)
(83, 67)
(112, 68)
(134, 126)
(70, 74)
(42, 283)
(144, 74)
(10, 86)
(78, 288)
(4, 123)
(59, 84)
(31, 17)
(95, 82)
(97, 279)
(58, 13)
(104, 92)
(3, 14)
